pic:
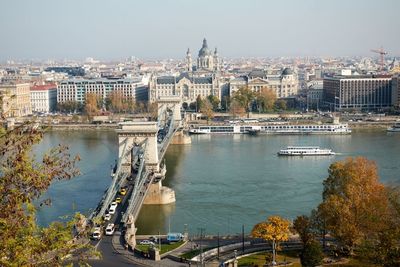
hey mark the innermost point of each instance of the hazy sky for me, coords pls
(115, 29)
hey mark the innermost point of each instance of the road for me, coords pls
(109, 256)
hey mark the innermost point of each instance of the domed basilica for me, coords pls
(206, 60)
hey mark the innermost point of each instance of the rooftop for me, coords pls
(43, 87)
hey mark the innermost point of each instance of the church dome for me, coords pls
(204, 51)
(287, 71)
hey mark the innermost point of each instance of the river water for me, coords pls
(221, 182)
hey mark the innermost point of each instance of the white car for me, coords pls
(107, 217)
(110, 229)
(96, 234)
(146, 242)
(113, 207)
(113, 204)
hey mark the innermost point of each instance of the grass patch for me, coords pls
(164, 247)
(194, 252)
(259, 259)
(352, 263)
(293, 256)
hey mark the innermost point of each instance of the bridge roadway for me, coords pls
(137, 184)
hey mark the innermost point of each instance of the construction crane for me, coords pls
(382, 54)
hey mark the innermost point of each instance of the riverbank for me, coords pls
(82, 127)
(381, 126)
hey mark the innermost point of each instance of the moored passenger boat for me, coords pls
(305, 151)
(394, 128)
(272, 129)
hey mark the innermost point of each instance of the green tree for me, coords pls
(311, 254)
(280, 104)
(69, 106)
(303, 227)
(214, 101)
(244, 97)
(23, 179)
(199, 103)
(275, 229)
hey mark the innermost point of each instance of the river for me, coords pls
(221, 182)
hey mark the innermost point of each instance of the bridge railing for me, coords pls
(119, 178)
(139, 177)
(168, 137)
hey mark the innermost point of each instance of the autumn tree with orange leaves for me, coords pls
(275, 230)
(360, 212)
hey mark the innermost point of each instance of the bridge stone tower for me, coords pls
(134, 133)
(171, 102)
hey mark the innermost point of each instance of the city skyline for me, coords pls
(165, 29)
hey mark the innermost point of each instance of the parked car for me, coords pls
(110, 229)
(146, 242)
(118, 200)
(107, 217)
(96, 234)
(122, 192)
(153, 239)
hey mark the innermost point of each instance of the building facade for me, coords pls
(16, 99)
(315, 94)
(187, 86)
(396, 91)
(370, 92)
(283, 82)
(76, 89)
(44, 98)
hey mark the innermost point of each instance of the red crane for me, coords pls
(382, 54)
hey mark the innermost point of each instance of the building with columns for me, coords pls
(284, 82)
(187, 85)
(16, 99)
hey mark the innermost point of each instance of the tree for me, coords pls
(199, 103)
(244, 97)
(152, 109)
(355, 204)
(236, 109)
(69, 106)
(23, 179)
(91, 104)
(207, 110)
(311, 254)
(265, 99)
(275, 229)
(302, 225)
(214, 101)
(280, 104)
(114, 102)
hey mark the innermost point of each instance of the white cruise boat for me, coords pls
(394, 128)
(305, 151)
(272, 129)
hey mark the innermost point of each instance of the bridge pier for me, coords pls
(180, 138)
(130, 234)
